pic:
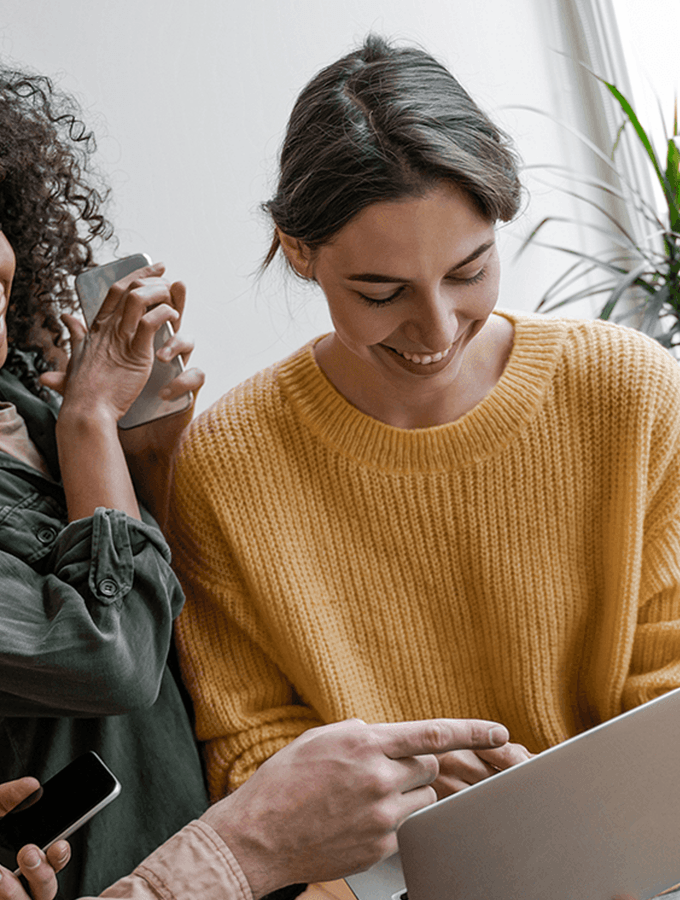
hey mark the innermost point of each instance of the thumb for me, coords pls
(54, 380)
(77, 332)
(76, 329)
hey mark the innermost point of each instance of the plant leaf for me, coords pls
(602, 287)
(623, 285)
(669, 189)
(635, 122)
(584, 140)
(639, 203)
(586, 257)
(673, 178)
(567, 300)
(653, 307)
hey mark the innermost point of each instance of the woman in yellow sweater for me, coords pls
(437, 509)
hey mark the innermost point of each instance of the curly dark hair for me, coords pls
(52, 204)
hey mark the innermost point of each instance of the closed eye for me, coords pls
(381, 301)
(475, 279)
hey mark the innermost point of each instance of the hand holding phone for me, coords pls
(58, 808)
(92, 287)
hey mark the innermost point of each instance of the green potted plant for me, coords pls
(646, 267)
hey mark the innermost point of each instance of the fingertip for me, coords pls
(29, 857)
(431, 796)
(59, 854)
(29, 781)
(499, 735)
(74, 326)
(53, 380)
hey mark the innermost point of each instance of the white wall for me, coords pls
(190, 100)
(650, 33)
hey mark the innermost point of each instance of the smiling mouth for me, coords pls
(423, 359)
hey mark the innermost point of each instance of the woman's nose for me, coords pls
(434, 322)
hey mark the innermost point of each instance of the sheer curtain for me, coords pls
(592, 29)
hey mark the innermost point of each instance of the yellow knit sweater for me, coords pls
(520, 564)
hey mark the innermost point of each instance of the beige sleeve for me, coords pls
(193, 863)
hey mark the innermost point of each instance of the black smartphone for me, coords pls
(59, 806)
(92, 286)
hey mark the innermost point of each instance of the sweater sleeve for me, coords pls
(655, 660)
(246, 708)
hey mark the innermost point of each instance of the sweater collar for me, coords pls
(487, 428)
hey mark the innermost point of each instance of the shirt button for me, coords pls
(108, 587)
(46, 534)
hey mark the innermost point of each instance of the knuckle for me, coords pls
(521, 752)
(135, 294)
(437, 736)
(355, 736)
(383, 819)
(382, 778)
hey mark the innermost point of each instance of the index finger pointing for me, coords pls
(438, 736)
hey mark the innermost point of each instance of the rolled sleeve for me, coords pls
(194, 863)
(94, 613)
(106, 547)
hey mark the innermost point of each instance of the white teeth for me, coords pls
(424, 359)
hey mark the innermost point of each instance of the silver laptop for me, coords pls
(593, 818)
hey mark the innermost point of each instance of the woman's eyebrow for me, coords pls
(390, 279)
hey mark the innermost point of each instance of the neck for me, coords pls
(481, 367)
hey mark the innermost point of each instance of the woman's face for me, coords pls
(409, 284)
(7, 265)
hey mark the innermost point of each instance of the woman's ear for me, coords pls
(297, 253)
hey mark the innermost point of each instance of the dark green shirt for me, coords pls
(86, 614)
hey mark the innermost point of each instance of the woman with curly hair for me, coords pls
(87, 596)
